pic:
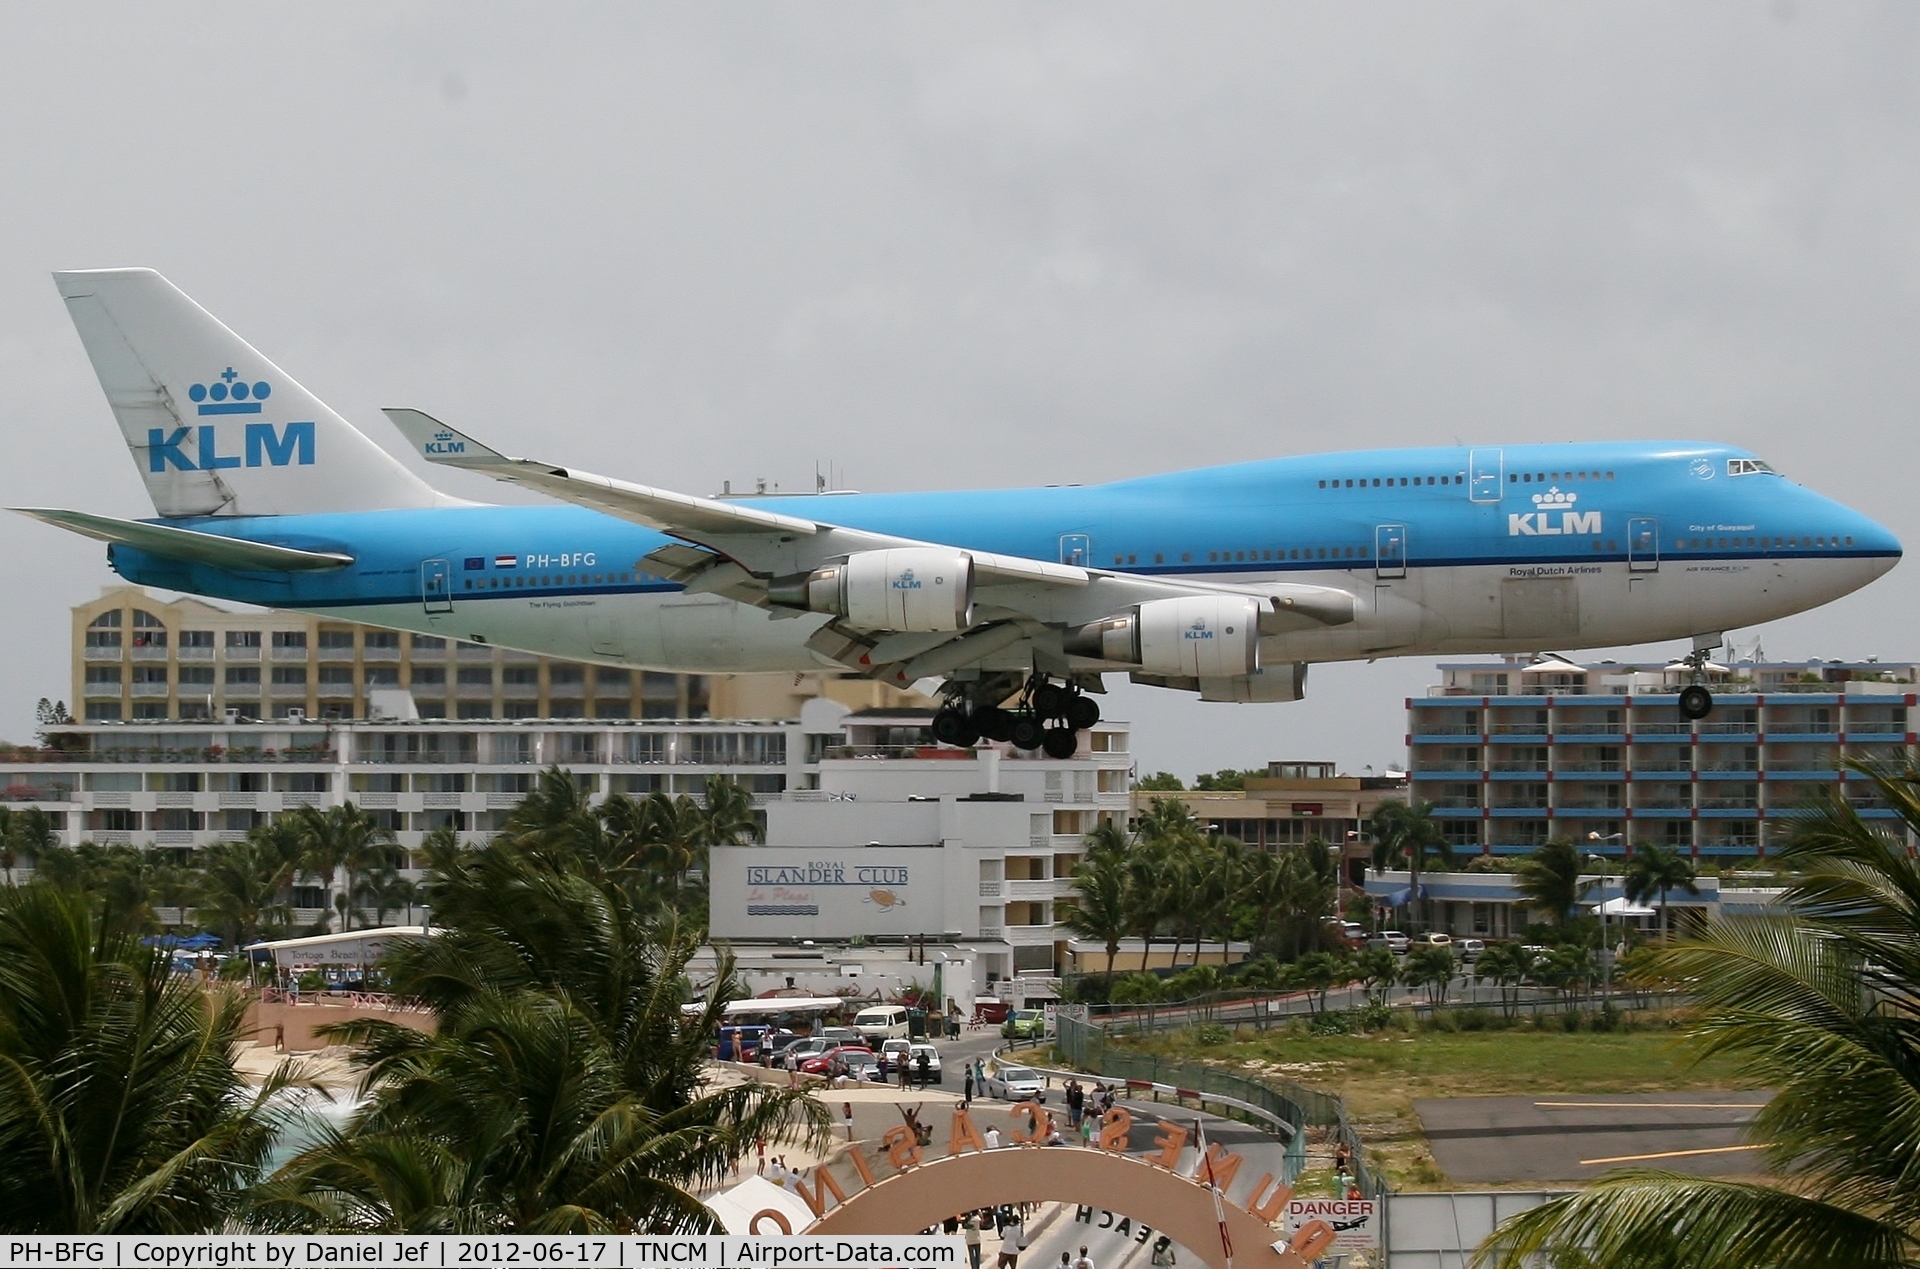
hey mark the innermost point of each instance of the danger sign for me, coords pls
(1355, 1222)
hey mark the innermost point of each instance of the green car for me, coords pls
(1024, 1024)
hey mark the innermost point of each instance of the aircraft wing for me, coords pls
(235, 554)
(737, 548)
(683, 515)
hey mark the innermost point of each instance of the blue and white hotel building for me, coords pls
(1513, 752)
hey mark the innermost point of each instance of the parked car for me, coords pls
(863, 1066)
(1016, 1084)
(740, 1043)
(1348, 932)
(892, 1051)
(1393, 940)
(1433, 938)
(1469, 949)
(839, 1035)
(820, 1062)
(1024, 1024)
(933, 1062)
(805, 1047)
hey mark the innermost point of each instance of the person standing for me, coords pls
(1013, 1240)
(970, 1230)
(846, 1113)
(1163, 1257)
(966, 1089)
(1083, 1260)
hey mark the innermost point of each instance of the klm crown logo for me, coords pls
(198, 448)
(1554, 516)
(443, 443)
(906, 581)
(229, 394)
(1198, 630)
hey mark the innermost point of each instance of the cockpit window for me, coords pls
(1748, 467)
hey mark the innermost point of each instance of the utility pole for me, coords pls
(1606, 948)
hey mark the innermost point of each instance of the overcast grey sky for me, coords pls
(954, 245)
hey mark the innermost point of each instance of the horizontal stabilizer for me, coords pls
(234, 554)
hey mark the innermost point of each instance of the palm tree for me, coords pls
(1507, 965)
(120, 1110)
(341, 838)
(30, 831)
(1551, 878)
(242, 883)
(1816, 1002)
(1407, 831)
(563, 1089)
(1102, 907)
(1652, 872)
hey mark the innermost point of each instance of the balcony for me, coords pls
(520, 691)
(1663, 729)
(1028, 889)
(149, 653)
(384, 656)
(195, 654)
(289, 654)
(101, 652)
(297, 691)
(1876, 729)
(1611, 767)
(1518, 729)
(242, 654)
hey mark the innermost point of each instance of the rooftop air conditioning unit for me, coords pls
(231, 715)
(296, 715)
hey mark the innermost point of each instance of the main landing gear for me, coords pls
(1047, 717)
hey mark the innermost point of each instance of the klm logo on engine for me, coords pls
(198, 448)
(1198, 630)
(443, 443)
(906, 581)
(1555, 516)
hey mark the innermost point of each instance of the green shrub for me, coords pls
(1210, 1034)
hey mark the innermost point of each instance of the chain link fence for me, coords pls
(1085, 1044)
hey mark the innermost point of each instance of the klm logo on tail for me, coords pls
(443, 443)
(1554, 517)
(263, 445)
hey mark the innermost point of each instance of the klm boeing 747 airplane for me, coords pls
(1226, 582)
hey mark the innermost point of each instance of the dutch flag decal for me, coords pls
(505, 561)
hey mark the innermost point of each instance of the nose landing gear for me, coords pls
(1696, 702)
(1049, 717)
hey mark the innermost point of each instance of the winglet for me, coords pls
(438, 443)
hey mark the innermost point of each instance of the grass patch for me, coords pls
(1381, 1074)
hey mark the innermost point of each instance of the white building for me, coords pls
(899, 840)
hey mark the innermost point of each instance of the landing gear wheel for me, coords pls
(951, 727)
(1061, 742)
(1026, 732)
(1050, 700)
(1695, 702)
(995, 724)
(1082, 713)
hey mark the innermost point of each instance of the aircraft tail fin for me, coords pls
(215, 428)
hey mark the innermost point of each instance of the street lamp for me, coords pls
(1606, 950)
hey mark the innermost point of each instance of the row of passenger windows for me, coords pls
(1513, 478)
(1797, 543)
(558, 579)
(1392, 482)
(1277, 555)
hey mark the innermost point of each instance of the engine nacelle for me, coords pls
(1194, 636)
(911, 589)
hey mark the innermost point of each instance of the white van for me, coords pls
(882, 1022)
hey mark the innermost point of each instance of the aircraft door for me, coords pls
(1487, 472)
(1076, 548)
(436, 586)
(1643, 544)
(1389, 551)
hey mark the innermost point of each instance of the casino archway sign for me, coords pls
(922, 1192)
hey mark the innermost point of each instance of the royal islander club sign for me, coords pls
(920, 1191)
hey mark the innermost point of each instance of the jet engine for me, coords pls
(1194, 636)
(916, 589)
